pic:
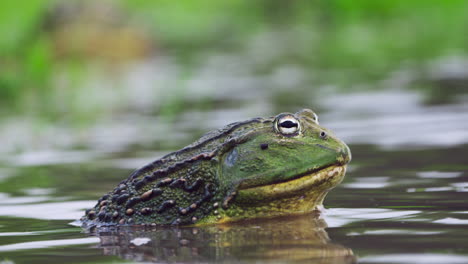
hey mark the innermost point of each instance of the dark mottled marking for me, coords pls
(101, 215)
(189, 209)
(108, 217)
(150, 178)
(208, 192)
(208, 155)
(194, 185)
(165, 205)
(121, 189)
(178, 183)
(146, 195)
(129, 211)
(151, 194)
(202, 200)
(264, 146)
(146, 211)
(115, 197)
(182, 183)
(164, 182)
(122, 198)
(156, 192)
(207, 196)
(132, 202)
(144, 169)
(91, 215)
(228, 199)
(105, 197)
(157, 174)
(140, 184)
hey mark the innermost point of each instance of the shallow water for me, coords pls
(403, 199)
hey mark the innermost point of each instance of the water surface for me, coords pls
(403, 199)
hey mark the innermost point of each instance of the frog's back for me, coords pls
(209, 144)
(178, 188)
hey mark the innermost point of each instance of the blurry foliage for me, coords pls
(25, 60)
(362, 39)
(372, 33)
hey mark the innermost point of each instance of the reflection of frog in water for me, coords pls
(262, 167)
(284, 239)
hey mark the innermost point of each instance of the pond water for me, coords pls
(403, 200)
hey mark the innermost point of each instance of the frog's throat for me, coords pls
(320, 180)
(300, 195)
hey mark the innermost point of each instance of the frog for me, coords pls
(258, 168)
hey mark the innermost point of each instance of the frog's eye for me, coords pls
(288, 125)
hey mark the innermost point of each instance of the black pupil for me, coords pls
(288, 124)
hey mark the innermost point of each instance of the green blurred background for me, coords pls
(91, 90)
(81, 62)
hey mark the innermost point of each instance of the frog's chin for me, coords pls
(303, 194)
(322, 179)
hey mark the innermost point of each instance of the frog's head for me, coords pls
(285, 164)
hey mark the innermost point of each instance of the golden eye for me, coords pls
(288, 125)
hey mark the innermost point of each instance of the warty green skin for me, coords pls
(234, 173)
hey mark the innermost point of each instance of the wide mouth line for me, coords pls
(308, 173)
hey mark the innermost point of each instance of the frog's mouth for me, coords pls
(328, 177)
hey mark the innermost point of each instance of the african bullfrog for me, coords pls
(262, 167)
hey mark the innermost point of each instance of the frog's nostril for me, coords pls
(323, 135)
